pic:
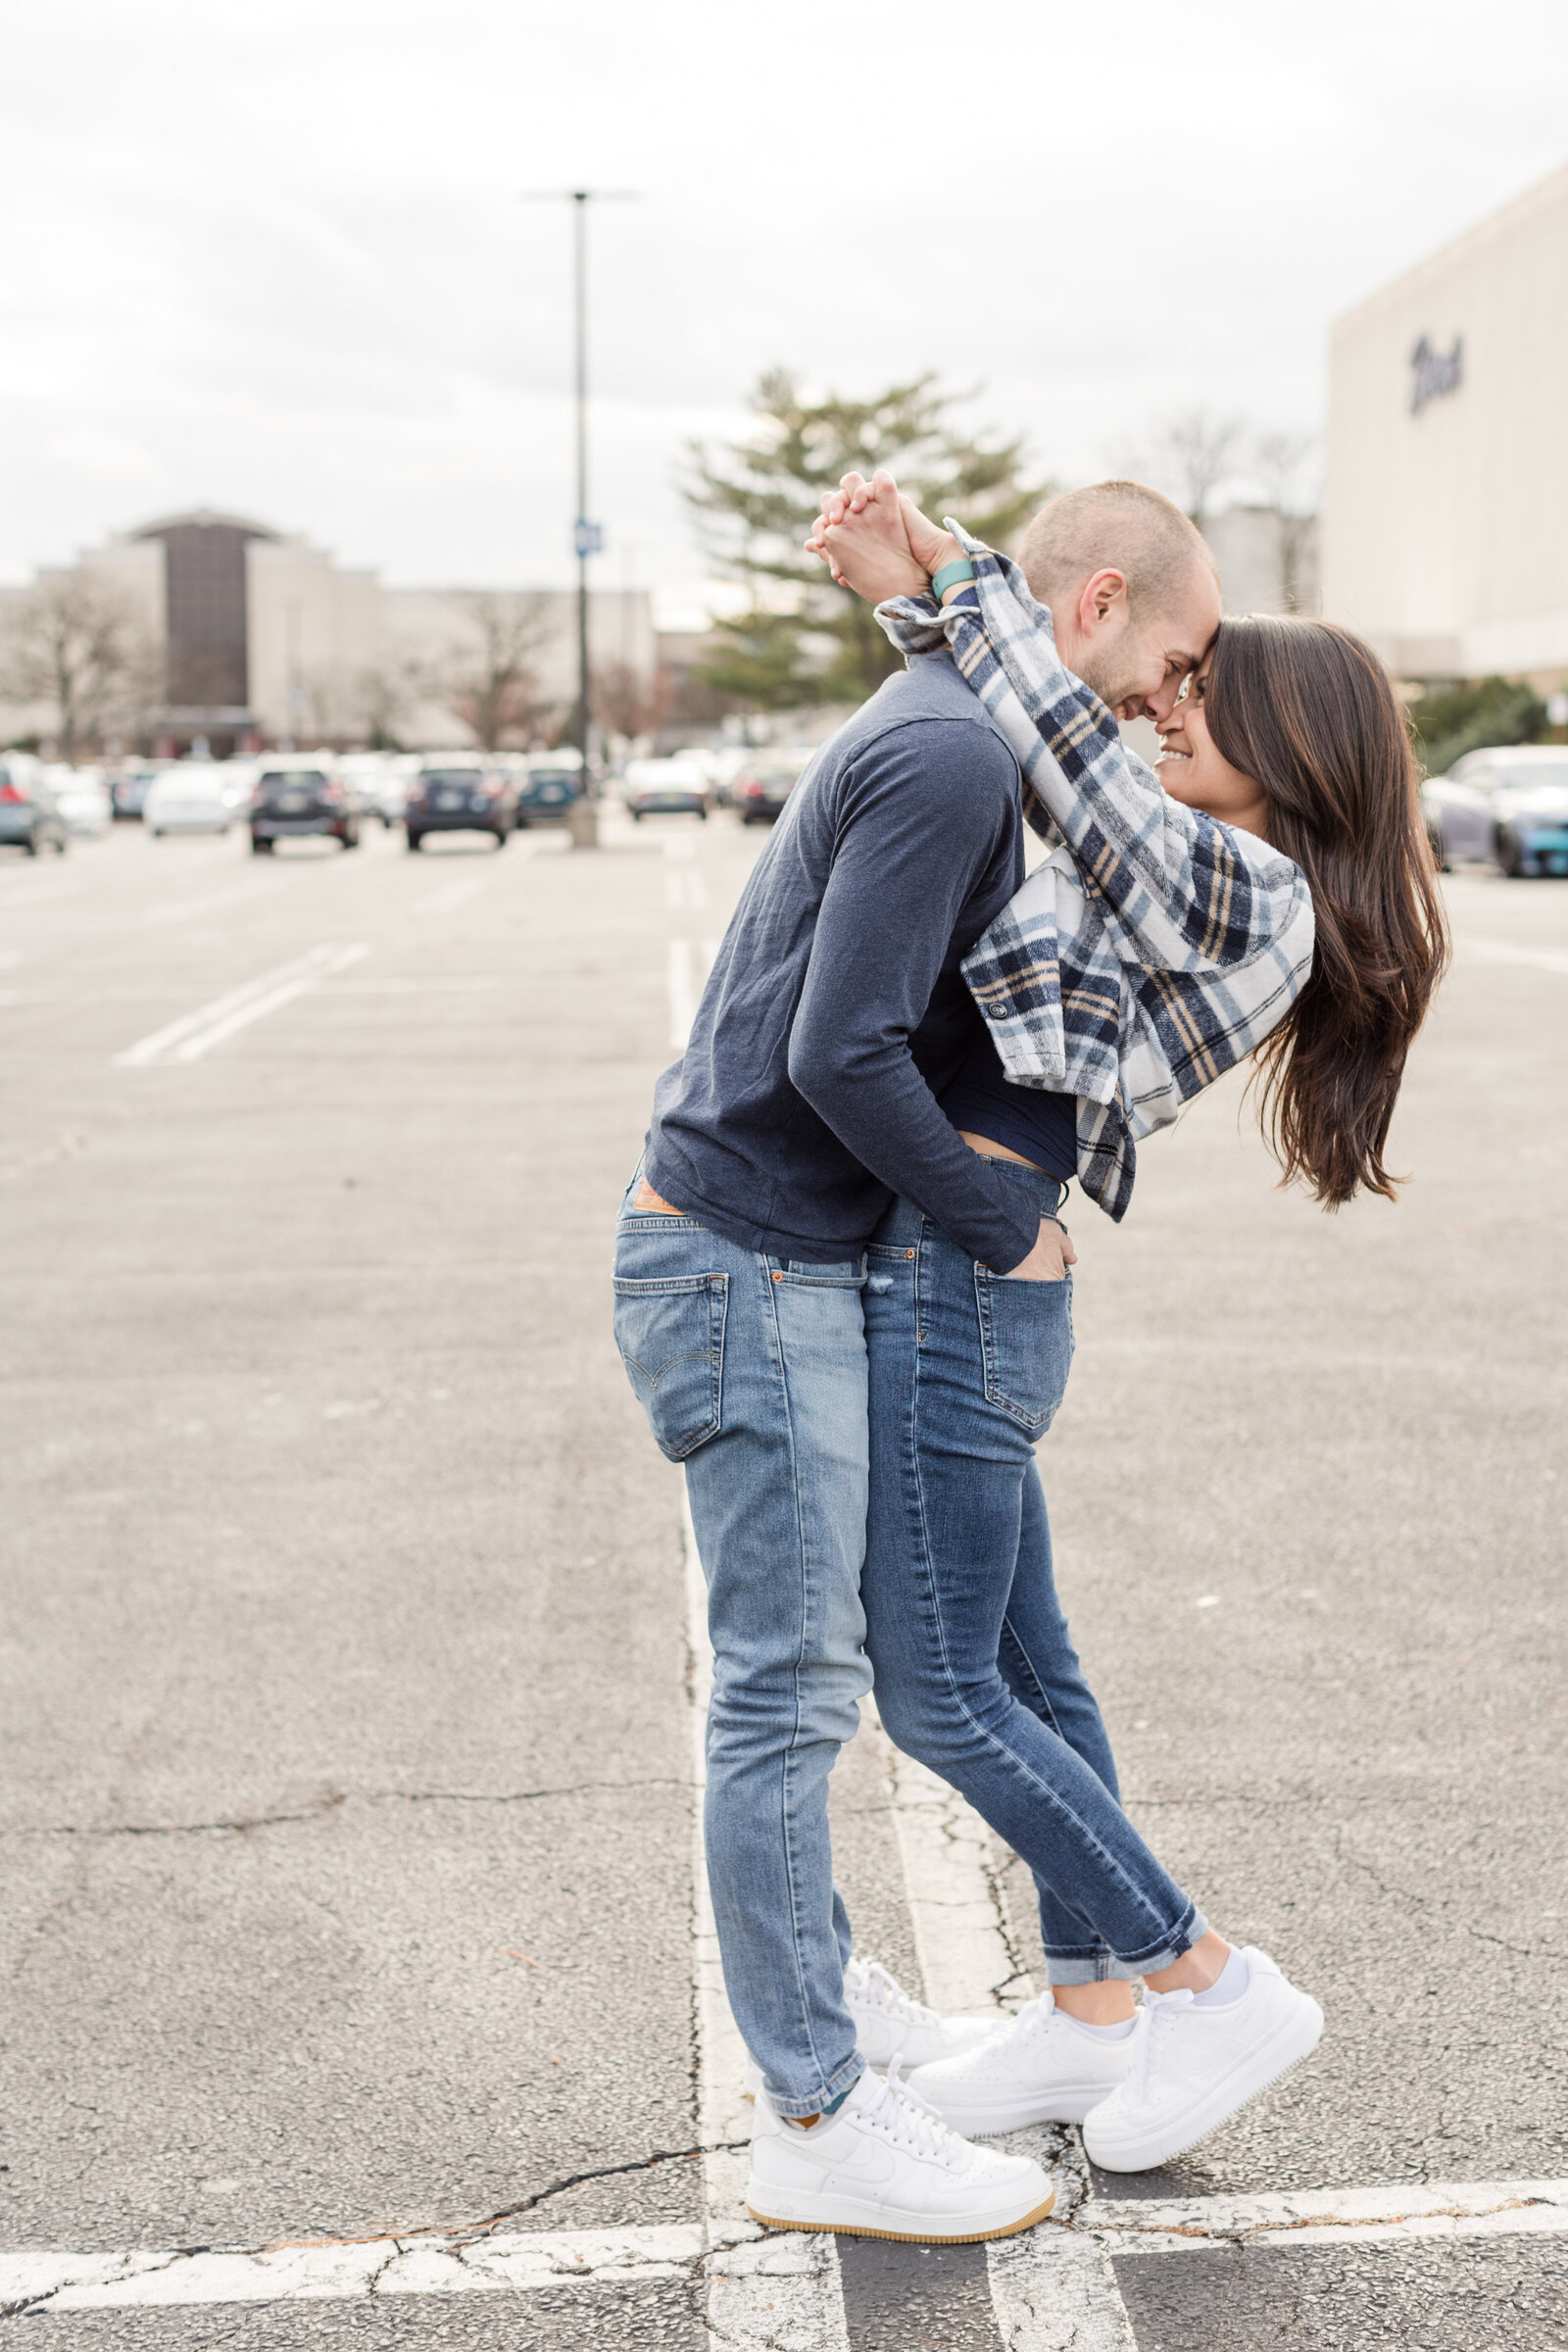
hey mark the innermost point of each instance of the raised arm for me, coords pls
(1185, 892)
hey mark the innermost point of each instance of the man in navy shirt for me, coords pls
(808, 1097)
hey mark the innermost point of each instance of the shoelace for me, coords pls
(905, 2117)
(1155, 2019)
(1034, 2019)
(878, 1990)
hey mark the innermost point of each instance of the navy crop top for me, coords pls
(1041, 1128)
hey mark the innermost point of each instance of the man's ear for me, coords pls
(1102, 601)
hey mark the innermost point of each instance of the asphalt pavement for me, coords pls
(346, 1802)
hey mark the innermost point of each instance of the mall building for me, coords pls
(1444, 529)
(260, 637)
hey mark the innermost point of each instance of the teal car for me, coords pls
(30, 817)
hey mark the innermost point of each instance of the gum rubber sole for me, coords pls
(913, 2237)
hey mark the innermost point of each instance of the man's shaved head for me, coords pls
(1118, 526)
(1132, 589)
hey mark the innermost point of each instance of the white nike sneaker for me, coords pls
(889, 2024)
(1193, 2067)
(1039, 2068)
(885, 2165)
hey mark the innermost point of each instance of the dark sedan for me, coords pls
(293, 799)
(461, 796)
(760, 788)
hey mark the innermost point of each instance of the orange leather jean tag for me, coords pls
(647, 1197)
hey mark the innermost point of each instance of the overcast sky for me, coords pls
(270, 256)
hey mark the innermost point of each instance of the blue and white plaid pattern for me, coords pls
(1156, 947)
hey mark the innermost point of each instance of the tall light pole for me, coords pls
(587, 537)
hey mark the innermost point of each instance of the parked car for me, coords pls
(461, 792)
(548, 785)
(82, 798)
(295, 799)
(760, 788)
(29, 816)
(652, 786)
(1509, 804)
(377, 778)
(198, 796)
(723, 766)
(128, 788)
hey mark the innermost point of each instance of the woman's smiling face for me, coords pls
(1193, 771)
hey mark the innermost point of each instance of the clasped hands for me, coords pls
(876, 541)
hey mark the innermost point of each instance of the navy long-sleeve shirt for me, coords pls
(836, 1013)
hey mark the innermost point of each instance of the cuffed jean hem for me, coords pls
(846, 2077)
(1103, 1967)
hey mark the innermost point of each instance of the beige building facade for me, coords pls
(1446, 509)
(260, 637)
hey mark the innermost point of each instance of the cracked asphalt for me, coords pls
(345, 1826)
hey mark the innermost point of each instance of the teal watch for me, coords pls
(961, 568)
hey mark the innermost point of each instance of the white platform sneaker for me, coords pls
(885, 2165)
(889, 2024)
(1041, 2067)
(1194, 2067)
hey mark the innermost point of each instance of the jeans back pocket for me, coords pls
(670, 1333)
(1025, 1346)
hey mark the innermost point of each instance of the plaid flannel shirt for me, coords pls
(1156, 947)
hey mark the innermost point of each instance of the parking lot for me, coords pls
(358, 1987)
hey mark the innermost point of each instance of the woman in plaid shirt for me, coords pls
(1270, 893)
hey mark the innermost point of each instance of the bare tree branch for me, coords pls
(1191, 456)
(81, 644)
(489, 680)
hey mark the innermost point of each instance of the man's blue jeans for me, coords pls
(975, 1671)
(752, 1371)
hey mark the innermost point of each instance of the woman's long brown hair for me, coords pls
(1309, 711)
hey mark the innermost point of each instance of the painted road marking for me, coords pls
(688, 965)
(763, 2290)
(955, 1902)
(196, 1033)
(1051, 2288)
(419, 2264)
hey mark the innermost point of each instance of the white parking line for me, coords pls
(418, 2265)
(1051, 2288)
(689, 962)
(959, 1934)
(196, 1033)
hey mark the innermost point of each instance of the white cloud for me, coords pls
(272, 255)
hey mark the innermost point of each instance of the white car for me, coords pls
(82, 797)
(200, 796)
(379, 780)
(650, 786)
(1510, 803)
